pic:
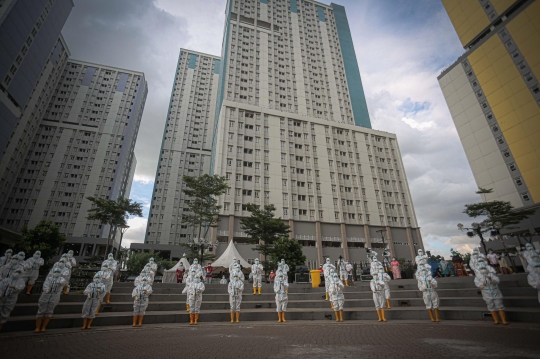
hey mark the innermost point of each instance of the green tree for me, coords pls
(114, 213)
(137, 260)
(45, 237)
(263, 229)
(290, 250)
(203, 192)
(195, 252)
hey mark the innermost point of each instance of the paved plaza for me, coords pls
(298, 339)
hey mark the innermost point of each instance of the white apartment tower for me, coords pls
(186, 145)
(291, 128)
(84, 146)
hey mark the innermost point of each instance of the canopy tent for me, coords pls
(169, 275)
(227, 257)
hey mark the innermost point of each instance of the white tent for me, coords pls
(227, 257)
(169, 275)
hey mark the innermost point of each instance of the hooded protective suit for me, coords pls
(342, 270)
(71, 259)
(140, 294)
(284, 266)
(257, 271)
(94, 295)
(64, 271)
(336, 294)
(6, 258)
(196, 267)
(280, 288)
(153, 265)
(534, 272)
(33, 263)
(385, 278)
(50, 297)
(377, 287)
(107, 279)
(145, 273)
(10, 267)
(427, 285)
(235, 289)
(233, 263)
(9, 292)
(328, 269)
(421, 258)
(488, 283)
(194, 291)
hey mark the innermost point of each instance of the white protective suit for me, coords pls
(528, 253)
(377, 287)
(349, 268)
(427, 285)
(328, 269)
(223, 280)
(342, 270)
(107, 277)
(64, 271)
(194, 292)
(94, 295)
(10, 267)
(140, 294)
(196, 267)
(487, 282)
(71, 259)
(384, 278)
(6, 258)
(284, 266)
(280, 288)
(9, 292)
(235, 289)
(421, 259)
(533, 278)
(336, 292)
(257, 270)
(50, 297)
(145, 273)
(231, 266)
(153, 265)
(31, 272)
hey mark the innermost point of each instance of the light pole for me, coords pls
(381, 232)
(201, 244)
(475, 230)
(123, 229)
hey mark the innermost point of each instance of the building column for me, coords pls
(231, 229)
(344, 243)
(214, 234)
(411, 243)
(390, 242)
(81, 250)
(368, 237)
(419, 238)
(94, 247)
(319, 241)
(291, 224)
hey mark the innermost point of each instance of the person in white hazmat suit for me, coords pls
(488, 284)
(427, 285)
(328, 268)
(377, 287)
(343, 272)
(105, 275)
(6, 258)
(194, 292)
(145, 273)
(231, 266)
(94, 295)
(31, 272)
(223, 280)
(108, 279)
(190, 278)
(528, 253)
(9, 292)
(385, 278)
(64, 271)
(421, 259)
(140, 294)
(336, 296)
(282, 299)
(49, 299)
(257, 271)
(196, 267)
(10, 267)
(533, 268)
(153, 265)
(349, 268)
(235, 289)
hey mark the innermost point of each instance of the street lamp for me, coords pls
(475, 230)
(385, 255)
(123, 228)
(201, 244)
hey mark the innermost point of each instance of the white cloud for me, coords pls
(143, 179)
(135, 233)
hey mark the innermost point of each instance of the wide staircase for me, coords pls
(459, 300)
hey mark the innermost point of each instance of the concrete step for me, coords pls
(359, 313)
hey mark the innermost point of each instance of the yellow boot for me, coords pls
(140, 320)
(134, 320)
(337, 315)
(196, 319)
(65, 291)
(191, 318)
(332, 305)
(38, 325)
(85, 323)
(431, 315)
(341, 315)
(382, 315)
(238, 317)
(279, 317)
(44, 324)
(283, 317)
(379, 315)
(503, 317)
(326, 296)
(388, 304)
(232, 317)
(29, 289)
(89, 325)
(437, 315)
(187, 307)
(495, 319)
(259, 290)
(98, 307)
(286, 291)
(108, 298)
(254, 290)
(346, 283)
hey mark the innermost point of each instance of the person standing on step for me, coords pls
(140, 293)
(6, 258)
(493, 260)
(336, 296)
(32, 270)
(108, 279)
(105, 275)
(342, 271)
(196, 267)
(64, 271)
(209, 271)
(350, 268)
(231, 266)
(9, 292)
(396, 268)
(235, 289)
(50, 297)
(282, 299)
(194, 292)
(10, 267)
(427, 285)
(180, 271)
(377, 287)
(328, 267)
(443, 266)
(385, 278)
(94, 295)
(533, 268)
(488, 284)
(153, 265)
(190, 278)
(223, 280)
(257, 271)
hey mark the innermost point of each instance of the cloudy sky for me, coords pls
(401, 46)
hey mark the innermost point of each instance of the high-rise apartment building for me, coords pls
(84, 146)
(292, 129)
(32, 57)
(186, 145)
(493, 95)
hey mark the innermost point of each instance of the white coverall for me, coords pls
(31, 272)
(9, 291)
(6, 258)
(50, 297)
(342, 270)
(194, 293)
(9, 268)
(328, 269)
(349, 268)
(153, 266)
(140, 277)
(534, 273)
(336, 293)
(257, 270)
(107, 278)
(487, 282)
(427, 285)
(94, 295)
(282, 299)
(284, 266)
(377, 287)
(140, 294)
(64, 271)
(235, 289)
(384, 277)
